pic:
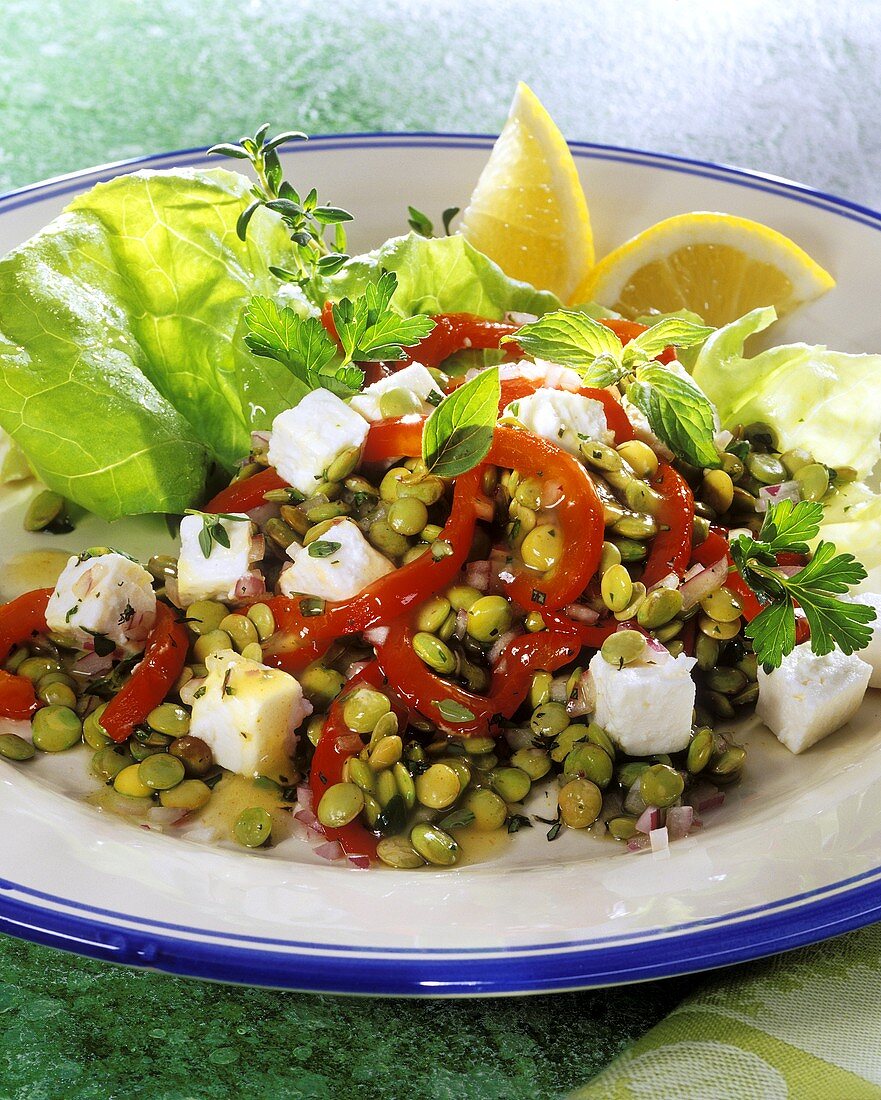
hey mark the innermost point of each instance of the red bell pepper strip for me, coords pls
(671, 548)
(423, 690)
(335, 746)
(152, 679)
(244, 495)
(579, 515)
(454, 332)
(588, 635)
(20, 620)
(616, 418)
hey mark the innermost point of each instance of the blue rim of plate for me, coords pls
(802, 919)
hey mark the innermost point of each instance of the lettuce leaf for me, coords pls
(117, 367)
(852, 521)
(441, 275)
(827, 402)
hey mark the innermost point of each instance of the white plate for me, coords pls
(793, 857)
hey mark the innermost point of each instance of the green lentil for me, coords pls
(363, 708)
(387, 540)
(192, 794)
(660, 785)
(630, 550)
(463, 597)
(56, 728)
(15, 660)
(765, 468)
(567, 739)
(590, 761)
(485, 762)
(170, 719)
(340, 804)
(722, 605)
(473, 745)
(428, 489)
(748, 665)
(128, 782)
(56, 694)
(707, 651)
(659, 607)
(434, 845)
(719, 704)
(195, 755)
(108, 762)
(670, 631)
(93, 732)
(161, 772)
(728, 763)
(729, 681)
(386, 788)
(623, 648)
(610, 556)
(622, 828)
(534, 761)
(344, 463)
(321, 685)
(405, 784)
(262, 617)
(13, 747)
(540, 689)
(315, 533)
(636, 526)
(35, 668)
(407, 516)
(541, 549)
(616, 588)
(253, 827)
(360, 773)
(204, 616)
(639, 457)
(600, 456)
(433, 652)
(813, 481)
(721, 632)
(386, 752)
(629, 773)
(642, 498)
(598, 736)
(700, 750)
(718, 490)
(215, 641)
(395, 851)
(511, 784)
(438, 787)
(549, 720)
(241, 630)
(386, 726)
(461, 767)
(490, 811)
(749, 695)
(489, 618)
(433, 614)
(580, 803)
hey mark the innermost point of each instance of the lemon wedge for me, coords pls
(528, 211)
(717, 265)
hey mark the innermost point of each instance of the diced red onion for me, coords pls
(710, 802)
(722, 439)
(461, 627)
(500, 645)
(349, 742)
(304, 797)
(583, 699)
(634, 803)
(558, 689)
(258, 548)
(518, 318)
(788, 570)
(670, 581)
(189, 689)
(315, 834)
(704, 583)
(306, 817)
(251, 586)
(355, 667)
(261, 514)
(163, 815)
(484, 508)
(91, 664)
(649, 819)
(359, 861)
(551, 494)
(659, 839)
(330, 851)
(773, 494)
(679, 821)
(479, 575)
(638, 844)
(581, 613)
(377, 635)
(260, 440)
(519, 738)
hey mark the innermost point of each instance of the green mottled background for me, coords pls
(788, 88)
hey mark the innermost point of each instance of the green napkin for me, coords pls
(800, 1026)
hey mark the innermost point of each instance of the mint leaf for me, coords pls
(574, 340)
(458, 434)
(301, 344)
(678, 413)
(670, 332)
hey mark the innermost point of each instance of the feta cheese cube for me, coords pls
(808, 697)
(872, 653)
(305, 440)
(338, 565)
(565, 418)
(106, 595)
(213, 577)
(409, 389)
(553, 375)
(645, 707)
(248, 714)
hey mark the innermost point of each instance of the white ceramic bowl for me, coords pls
(792, 858)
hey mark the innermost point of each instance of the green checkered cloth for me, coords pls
(801, 1026)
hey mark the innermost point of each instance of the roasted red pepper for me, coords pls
(152, 679)
(243, 496)
(579, 515)
(454, 332)
(20, 621)
(426, 692)
(671, 548)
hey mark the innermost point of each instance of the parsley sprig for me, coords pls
(369, 330)
(789, 528)
(677, 411)
(306, 219)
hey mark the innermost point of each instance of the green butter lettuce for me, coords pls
(827, 402)
(117, 370)
(852, 521)
(441, 275)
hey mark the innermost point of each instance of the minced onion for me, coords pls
(703, 584)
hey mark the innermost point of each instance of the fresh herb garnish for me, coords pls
(788, 528)
(516, 822)
(213, 532)
(458, 434)
(677, 411)
(454, 712)
(323, 549)
(369, 330)
(104, 646)
(420, 223)
(128, 613)
(305, 218)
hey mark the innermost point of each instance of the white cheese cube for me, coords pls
(645, 707)
(565, 418)
(248, 714)
(107, 595)
(808, 697)
(305, 440)
(872, 653)
(409, 388)
(213, 577)
(336, 566)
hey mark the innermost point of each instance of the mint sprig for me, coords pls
(458, 434)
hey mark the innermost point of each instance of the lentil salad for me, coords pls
(508, 606)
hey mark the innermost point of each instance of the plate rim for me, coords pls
(752, 933)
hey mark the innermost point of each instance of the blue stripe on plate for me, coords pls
(678, 949)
